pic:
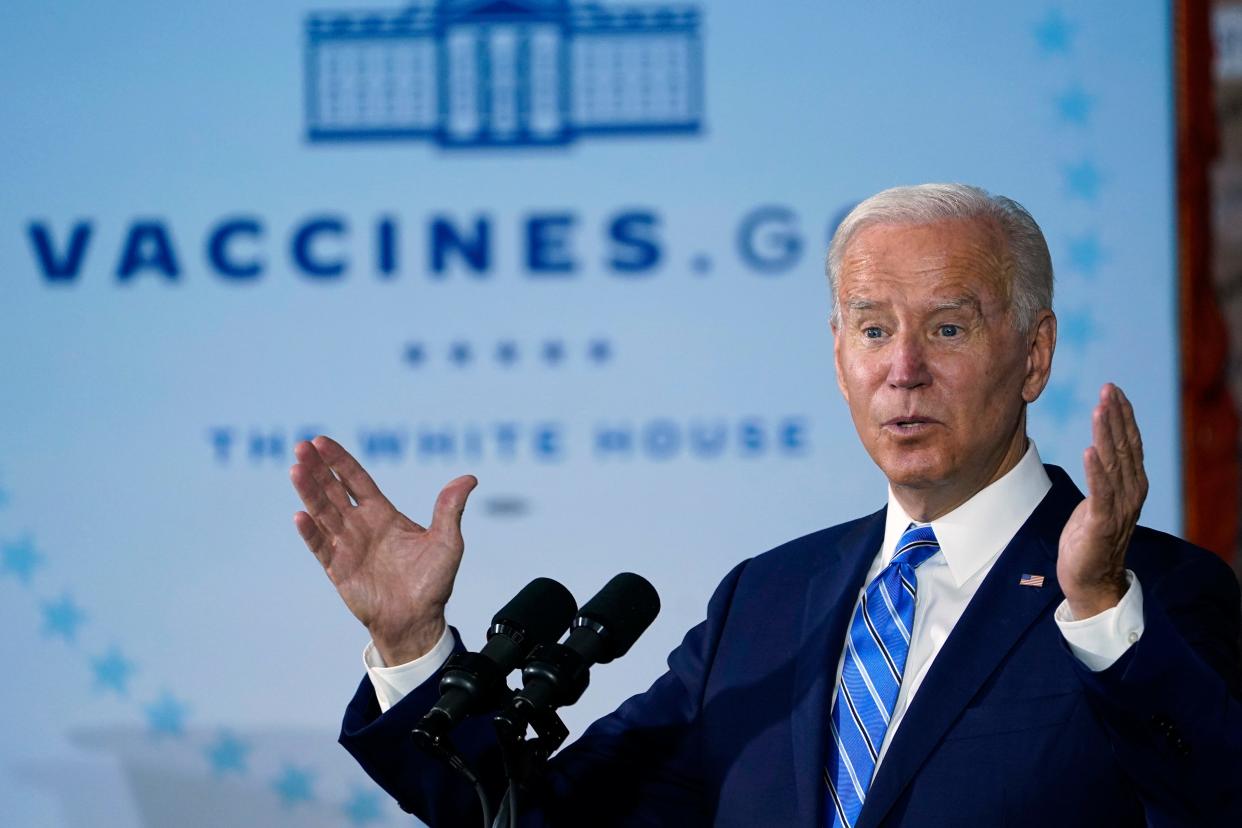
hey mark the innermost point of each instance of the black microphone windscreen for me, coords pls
(625, 607)
(543, 610)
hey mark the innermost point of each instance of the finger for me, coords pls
(1129, 465)
(1123, 468)
(446, 518)
(1134, 439)
(316, 500)
(1101, 433)
(353, 475)
(313, 537)
(309, 456)
(1099, 481)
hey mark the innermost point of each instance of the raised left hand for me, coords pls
(1092, 551)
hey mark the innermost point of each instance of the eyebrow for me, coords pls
(948, 304)
(958, 303)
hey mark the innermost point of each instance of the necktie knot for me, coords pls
(917, 544)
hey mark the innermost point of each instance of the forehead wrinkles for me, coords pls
(976, 251)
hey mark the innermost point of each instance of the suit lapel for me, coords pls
(832, 589)
(1000, 612)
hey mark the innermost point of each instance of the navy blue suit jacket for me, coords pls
(1008, 727)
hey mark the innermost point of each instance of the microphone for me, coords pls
(557, 674)
(474, 682)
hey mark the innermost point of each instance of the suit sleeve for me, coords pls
(1171, 704)
(637, 766)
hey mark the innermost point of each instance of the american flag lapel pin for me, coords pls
(1036, 581)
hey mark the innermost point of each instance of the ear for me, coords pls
(1039, 355)
(836, 357)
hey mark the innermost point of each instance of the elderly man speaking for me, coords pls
(990, 648)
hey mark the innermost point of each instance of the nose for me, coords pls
(908, 366)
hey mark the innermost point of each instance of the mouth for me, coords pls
(909, 424)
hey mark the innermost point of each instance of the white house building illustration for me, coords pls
(503, 72)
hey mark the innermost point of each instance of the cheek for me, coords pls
(968, 394)
(991, 393)
(867, 387)
(854, 374)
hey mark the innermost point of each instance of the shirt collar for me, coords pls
(974, 533)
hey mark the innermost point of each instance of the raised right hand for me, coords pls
(394, 575)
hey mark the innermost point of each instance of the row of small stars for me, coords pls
(166, 715)
(508, 353)
(1054, 36)
(295, 783)
(1075, 107)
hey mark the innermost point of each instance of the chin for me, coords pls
(915, 481)
(913, 472)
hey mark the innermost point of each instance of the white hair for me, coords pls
(1028, 262)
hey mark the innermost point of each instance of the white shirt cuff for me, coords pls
(1100, 640)
(392, 684)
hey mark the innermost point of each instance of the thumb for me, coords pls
(451, 502)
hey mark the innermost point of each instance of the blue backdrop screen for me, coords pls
(574, 249)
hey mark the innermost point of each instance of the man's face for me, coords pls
(932, 366)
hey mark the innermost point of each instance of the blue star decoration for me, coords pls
(459, 353)
(1082, 180)
(362, 807)
(1059, 401)
(166, 716)
(414, 354)
(20, 558)
(553, 351)
(294, 785)
(1076, 327)
(1074, 106)
(113, 672)
(1085, 253)
(506, 353)
(227, 754)
(62, 618)
(599, 351)
(1053, 33)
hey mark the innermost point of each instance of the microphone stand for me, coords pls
(462, 671)
(471, 683)
(526, 759)
(443, 748)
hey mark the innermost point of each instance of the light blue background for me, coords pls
(191, 112)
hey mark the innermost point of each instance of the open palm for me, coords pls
(1092, 549)
(393, 574)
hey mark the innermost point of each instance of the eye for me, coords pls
(950, 331)
(872, 332)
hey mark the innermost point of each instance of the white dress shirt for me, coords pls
(971, 537)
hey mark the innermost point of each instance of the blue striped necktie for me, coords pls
(875, 660)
